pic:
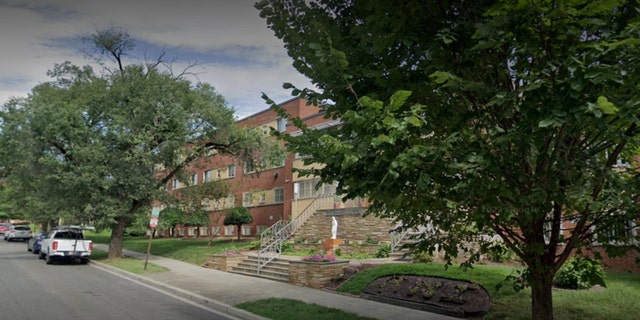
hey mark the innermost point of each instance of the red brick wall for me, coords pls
(626, 263)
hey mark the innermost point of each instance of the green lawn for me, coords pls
(188, 250)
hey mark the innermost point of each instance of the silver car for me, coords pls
(17, 233)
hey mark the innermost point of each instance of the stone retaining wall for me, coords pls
(315, 274)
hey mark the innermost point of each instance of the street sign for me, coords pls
(155, 212)
(153, 223)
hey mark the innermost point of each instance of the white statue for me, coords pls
(334, 228)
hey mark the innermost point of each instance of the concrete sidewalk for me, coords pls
(221, 290)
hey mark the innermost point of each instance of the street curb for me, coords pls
(213, 304)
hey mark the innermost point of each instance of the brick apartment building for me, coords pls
(273, 194)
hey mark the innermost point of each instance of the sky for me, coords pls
(230, 44)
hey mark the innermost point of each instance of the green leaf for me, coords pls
(606, 106)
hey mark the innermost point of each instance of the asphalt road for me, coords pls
(33, 290)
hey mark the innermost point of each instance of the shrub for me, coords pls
(286, 247)
(499, 252)
(580, 273)
(421, 257)
(384, 250)
(319, 258)
(255, 245)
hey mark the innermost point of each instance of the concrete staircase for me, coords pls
(277, 270)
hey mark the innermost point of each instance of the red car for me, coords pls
(4, 227)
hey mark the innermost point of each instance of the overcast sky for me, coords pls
(235, 51)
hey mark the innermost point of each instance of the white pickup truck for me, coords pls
(65, 243)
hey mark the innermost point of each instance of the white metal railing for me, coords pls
(397, 237)
(271, 239)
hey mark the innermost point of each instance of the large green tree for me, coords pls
(505, 117)
(103, 145)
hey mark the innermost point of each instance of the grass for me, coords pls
(188, 250)
(129, 264)
(284, 309)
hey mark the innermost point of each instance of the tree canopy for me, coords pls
(102, 146)
(238, 216)
(518, 118)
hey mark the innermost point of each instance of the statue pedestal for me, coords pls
(331, 244)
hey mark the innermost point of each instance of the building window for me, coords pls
(204, 231)
(207, 176)
(621, 233)
(191, 232)
(194, 179)
(263, 197)
(176, 184)
(216, 204)
(249, 168)
(215, 231)
(228, 230)
(282, 124)
(261, 229)
(231, 170)
(279, 195)
(265, 130)
(247, 199)
(181, 232)
(230, 201)
(246, 230)
(307, 189)
(219, 174)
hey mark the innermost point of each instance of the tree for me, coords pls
(477, 117)
(104, 145)
(238, 216)
(193, 199)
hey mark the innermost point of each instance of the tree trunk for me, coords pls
(239, 226)
(117, 234)
(541, 295)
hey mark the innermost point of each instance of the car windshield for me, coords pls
(21, 228)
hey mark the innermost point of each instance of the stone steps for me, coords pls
(277, 269)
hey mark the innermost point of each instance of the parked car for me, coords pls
(4, 227)
(66, 243)
(17, 233)
(35, 243)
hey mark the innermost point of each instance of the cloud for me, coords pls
(235, 51)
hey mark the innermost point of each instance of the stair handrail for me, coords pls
(396, 238)
(272, 242)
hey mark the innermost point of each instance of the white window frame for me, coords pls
(215, 231)
(631, 229)
(246, 230)
(247, 199)
(281, 124)
(204, 231)
(249, 168)
(231, 170)
(263, 197)
(194, 179)
(207, 176)
(228, 230)
(176, 184)
(191, 232)
(278, 195)
(230, 201)
(181, 232)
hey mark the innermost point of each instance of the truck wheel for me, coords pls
(40, 255)
(84, 260)
(49, 259)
